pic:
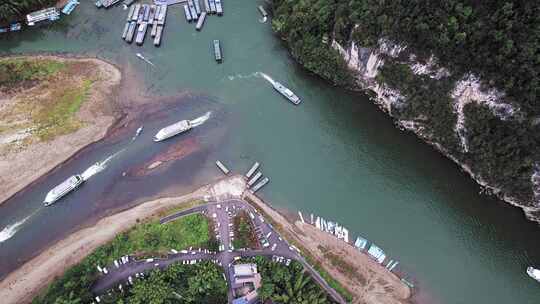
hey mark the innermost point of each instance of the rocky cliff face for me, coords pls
(467, 91)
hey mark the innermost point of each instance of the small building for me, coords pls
(246, 281)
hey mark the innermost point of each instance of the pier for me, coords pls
(222, 167)
(200, 22)
(252, 170)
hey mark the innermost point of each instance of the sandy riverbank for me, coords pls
(24, 158)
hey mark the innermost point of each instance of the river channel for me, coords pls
(336, 155)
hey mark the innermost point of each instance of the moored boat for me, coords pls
(172, 130)
(534, 273)
(286, 92)
(62, 189)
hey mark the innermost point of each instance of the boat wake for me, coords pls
(240, 76)
(268, 78)
(140, 56)
(10, 230)
(200, 120)
(98, 167)
(263, 20)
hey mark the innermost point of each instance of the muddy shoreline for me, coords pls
(37, 159)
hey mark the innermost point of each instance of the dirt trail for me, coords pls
(28, 161)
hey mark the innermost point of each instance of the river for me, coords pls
(336, 155)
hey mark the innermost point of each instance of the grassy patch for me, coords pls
(244, 232)
(153, 238)
(19, 72)
(57, 116)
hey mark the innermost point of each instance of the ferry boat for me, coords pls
(534, 273)
(172, 130)
(286, 92)
(64, 188)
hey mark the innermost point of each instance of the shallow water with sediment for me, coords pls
(335, 155)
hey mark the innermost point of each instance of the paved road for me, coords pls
(222, 214)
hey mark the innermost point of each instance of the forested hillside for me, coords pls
(497, 41)
(11, 10)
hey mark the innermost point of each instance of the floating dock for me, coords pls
(260, 184)
(252, 170)
(222, 167)
(219, 7)
(159, 33)
(262, 10)
(187, 13)
(217, 51)
(254, 179)
(200, 22)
